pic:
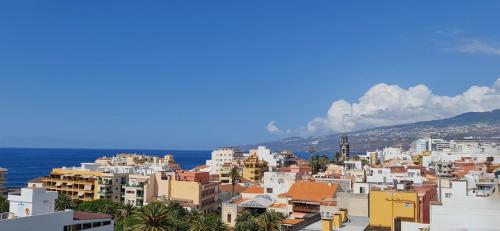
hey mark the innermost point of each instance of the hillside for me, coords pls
(476, 124)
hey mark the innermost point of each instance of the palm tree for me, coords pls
(153, 217)
(201, 222)
(245, 221)
(125, 212)
(196, 221)
(64, 202)
(270, 221)
(235, 176)
(214, 223)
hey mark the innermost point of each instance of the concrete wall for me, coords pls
(356, 204)
(412, 226)
(186, 190)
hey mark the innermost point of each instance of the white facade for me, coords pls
(394, 153)
(360, 188)
(34, 210)
(466, 213)
(272, 159)
(276, 183)
(54, 221)
(421, 145)
(223, 155)
(384, 175)
(32, 201)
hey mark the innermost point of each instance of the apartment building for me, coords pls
(276, 183)
(76, 183)
(193, 190)
(254, 168)
(223, 155)
(390, 206)
(273, 160)
(225, 173)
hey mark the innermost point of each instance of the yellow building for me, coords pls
(78, 184)
(388, 207)
(191, 189)
(254, 168)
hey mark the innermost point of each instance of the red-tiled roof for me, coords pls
(90, 216)
(36, 180)
(278, 205)
(229, 188)
(292, 221)
(311, 191)
(254, 189)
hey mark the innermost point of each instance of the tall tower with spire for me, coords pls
(344, 147)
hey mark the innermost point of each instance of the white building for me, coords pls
(223, 155)
(32, 201)
(459, 212)
(421, 145)
(394, 153)
(273, 159)
(384, 175)
(34, 210)
(276, 183)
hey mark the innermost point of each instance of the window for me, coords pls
(269, 190)
(96, 224)
(447, 195)
(106, 223)
(77, 227)
(229, 218)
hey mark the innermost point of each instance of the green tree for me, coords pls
(100, 206)
(4, 205)
(235, 176)
(154, 217)
(64, 202)
(245, 221)
(215, 223)
(201, 222)
(270, 221)
(124, 213)
(338, 159)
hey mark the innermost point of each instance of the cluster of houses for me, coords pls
(431, 185)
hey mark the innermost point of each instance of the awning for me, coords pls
(87, 187)
(58, 184)
(80, 194)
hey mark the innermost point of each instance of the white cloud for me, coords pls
(475, 46)
(385, 104)
(272, 128)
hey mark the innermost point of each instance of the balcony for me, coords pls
(306, 208)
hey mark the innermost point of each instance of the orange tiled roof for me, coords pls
(292, 221)
(229, 188)
(278, 205)
(254, 189)
(311, 191)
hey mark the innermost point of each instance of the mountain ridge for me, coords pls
(475, 124)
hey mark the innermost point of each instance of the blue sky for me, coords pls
(199, 74)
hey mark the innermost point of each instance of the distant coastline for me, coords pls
(25, 164)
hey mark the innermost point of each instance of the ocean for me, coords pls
(25, 164)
